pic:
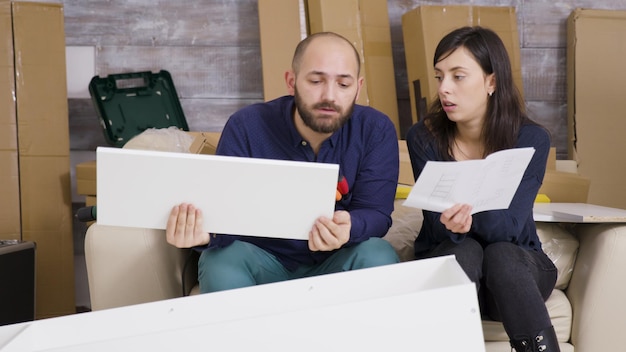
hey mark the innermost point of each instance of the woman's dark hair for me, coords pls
(506, 112)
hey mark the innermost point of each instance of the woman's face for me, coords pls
(463, 87)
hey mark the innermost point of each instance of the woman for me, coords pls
(479, 111)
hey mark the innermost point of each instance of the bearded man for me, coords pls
(318, 121)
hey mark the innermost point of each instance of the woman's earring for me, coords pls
(490, 93)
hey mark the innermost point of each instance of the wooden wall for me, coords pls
(211, 48)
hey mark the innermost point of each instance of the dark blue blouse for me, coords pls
(515, 224)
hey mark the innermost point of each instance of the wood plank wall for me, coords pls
(211, 48)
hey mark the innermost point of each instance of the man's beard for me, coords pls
(311, 122)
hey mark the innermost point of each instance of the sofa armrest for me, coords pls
(128, 266)
(597, 287)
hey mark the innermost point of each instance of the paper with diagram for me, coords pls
(486, 184)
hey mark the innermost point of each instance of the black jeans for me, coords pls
(513, 283)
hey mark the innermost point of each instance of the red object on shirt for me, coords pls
(342, 188)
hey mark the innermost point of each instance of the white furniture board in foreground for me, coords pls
(240, 196)
(407, 306)
(577, 212)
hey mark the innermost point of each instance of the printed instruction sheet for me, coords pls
(486, 184)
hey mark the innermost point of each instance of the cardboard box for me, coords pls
(205, 143)
(86, 183)
(91, 201)
(285, 20)
(560, 186)
(596, 123)
(551, 163)
(565, 187)
(423, 28)
(10, 222)
(366, 24)
(387, 308)
(39, 109)
(405, 176)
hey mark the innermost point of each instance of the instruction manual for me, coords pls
(486, 184)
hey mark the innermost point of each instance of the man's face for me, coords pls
(323, 116)
(327, 85)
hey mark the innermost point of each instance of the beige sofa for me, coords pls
(588, 307)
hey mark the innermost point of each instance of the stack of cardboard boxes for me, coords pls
(366, 25)
(424, 26)
(276, 54)
(363, 22)
(596, 85)
(35, 195)
(10, 224)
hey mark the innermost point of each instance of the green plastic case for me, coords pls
(129, 103)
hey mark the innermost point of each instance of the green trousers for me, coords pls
(243, 264)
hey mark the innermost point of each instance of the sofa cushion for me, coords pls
(404, 228)
(562, 247)
(128, 266)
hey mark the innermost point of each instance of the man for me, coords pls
(317, 122)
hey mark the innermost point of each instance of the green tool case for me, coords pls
(129, 103)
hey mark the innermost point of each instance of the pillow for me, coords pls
(562, 247)
(404, 229)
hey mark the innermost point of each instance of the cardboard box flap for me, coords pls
(565, 187)
(205, 143)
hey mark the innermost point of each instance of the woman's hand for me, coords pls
(458, 218)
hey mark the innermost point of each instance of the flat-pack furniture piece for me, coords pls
(412, 305)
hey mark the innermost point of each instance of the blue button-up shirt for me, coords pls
(366, 149)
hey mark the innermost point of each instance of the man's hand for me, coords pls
(184, 227)
(458, 218)
(327, 234)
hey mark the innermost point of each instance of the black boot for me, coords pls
(543, 341)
